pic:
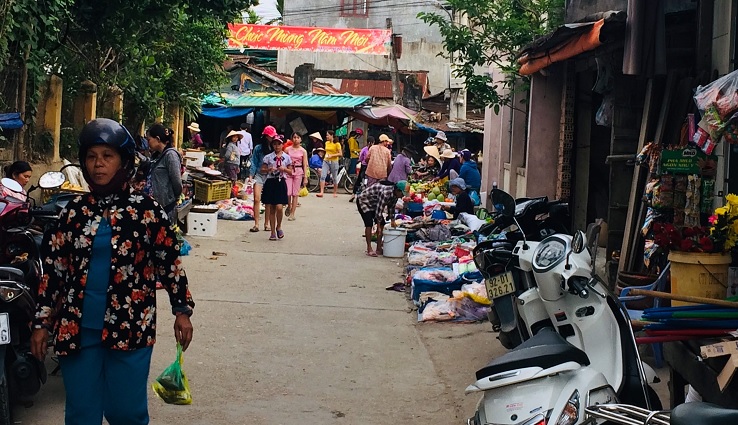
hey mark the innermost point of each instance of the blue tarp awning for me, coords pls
(10, 121)
(225, 112)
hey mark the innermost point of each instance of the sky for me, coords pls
(267, 10)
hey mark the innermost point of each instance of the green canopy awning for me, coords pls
(270, 100)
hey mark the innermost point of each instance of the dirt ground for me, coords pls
(303, 331)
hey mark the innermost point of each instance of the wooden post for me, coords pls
(396, 96)
(173, 113)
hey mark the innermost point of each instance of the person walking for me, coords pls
(353, 148)
(298, 178)
(372, 203)
(232, 156)
(333, 153)
(166, 169)
(98, 296)
(379, 161)
(277, 166)
(402, 166)
(363, 154)
(256, 176)
(245, 146)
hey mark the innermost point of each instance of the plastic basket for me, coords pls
(206, 191)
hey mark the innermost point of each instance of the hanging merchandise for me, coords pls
(692, 205)
(708, 194)
(606, 111)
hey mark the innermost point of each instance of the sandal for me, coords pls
(273, 237)
(319, 195)
(280, 234)
(254, 229)
(266, 229)
(371, 253)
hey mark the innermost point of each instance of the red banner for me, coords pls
(340, 40)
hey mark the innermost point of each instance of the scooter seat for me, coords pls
(699, 413)
(545, 349)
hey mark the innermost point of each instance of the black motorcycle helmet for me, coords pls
(104, 131)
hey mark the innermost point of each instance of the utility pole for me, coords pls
(394, 72)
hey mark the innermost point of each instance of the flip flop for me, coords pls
(254, 229)
(273, 237)
(280, 234)
(319, 195)
(371, 253)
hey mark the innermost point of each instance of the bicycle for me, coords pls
(345, 179)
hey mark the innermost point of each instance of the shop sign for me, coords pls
(686, 161)
(337, 40)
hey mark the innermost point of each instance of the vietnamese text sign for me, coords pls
(687, 161)
(340, 40)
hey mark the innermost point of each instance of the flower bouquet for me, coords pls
(724, 230)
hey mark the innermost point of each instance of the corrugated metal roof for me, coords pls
(258, 100)
(379, 88)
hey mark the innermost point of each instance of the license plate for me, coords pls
(500, 285)
(4, 329)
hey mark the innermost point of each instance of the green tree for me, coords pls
(480, 33)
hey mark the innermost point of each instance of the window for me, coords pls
(354, 7)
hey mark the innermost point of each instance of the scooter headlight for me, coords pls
(8, 294)
(570, 414)
(549, 253)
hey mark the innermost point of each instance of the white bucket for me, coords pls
(394, 242)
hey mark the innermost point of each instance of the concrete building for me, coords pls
(558, 148)
(421, 43)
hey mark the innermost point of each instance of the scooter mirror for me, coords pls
(12, 185)
(52, 180)
(577, 243)
(503, 202)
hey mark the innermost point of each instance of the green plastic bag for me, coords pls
(172, 386)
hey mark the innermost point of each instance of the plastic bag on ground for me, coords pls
(172, 386)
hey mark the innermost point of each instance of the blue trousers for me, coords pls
(103, 382)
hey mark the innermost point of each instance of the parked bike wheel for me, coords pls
(348, 183)
(313, 183)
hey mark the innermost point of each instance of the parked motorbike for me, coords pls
(564, 366)
(517, 219)
(21, 270)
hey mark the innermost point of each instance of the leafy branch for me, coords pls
(484, 33)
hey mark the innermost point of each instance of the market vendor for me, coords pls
(450, 162)
(372, 202)
(469, 171)
(21, 172)
(464, 203)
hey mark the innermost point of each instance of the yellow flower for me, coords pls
(721, 210)
(732, 199)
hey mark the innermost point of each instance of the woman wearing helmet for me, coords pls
(98, 293)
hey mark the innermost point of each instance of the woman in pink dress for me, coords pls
(299, 158)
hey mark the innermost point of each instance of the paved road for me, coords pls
(303, 331)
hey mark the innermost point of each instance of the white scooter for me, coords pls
(586, 355)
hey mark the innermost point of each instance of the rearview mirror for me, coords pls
(503, 202)
(12, 185)
(51, 180)
(577, 243)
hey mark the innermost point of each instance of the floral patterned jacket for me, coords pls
(145, 249)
